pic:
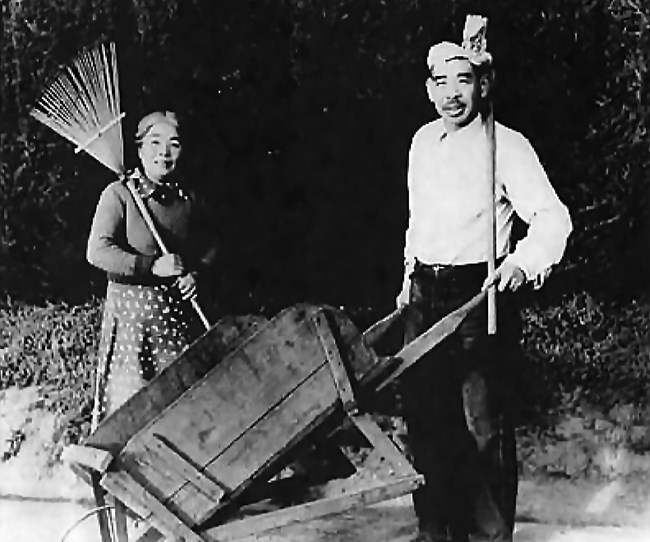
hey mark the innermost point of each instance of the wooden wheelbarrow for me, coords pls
(195, 443)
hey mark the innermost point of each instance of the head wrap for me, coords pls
(157, 117)
(473, 49)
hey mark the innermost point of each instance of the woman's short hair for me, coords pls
(157, 117)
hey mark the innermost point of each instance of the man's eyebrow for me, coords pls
(438, 77)
(465, 74)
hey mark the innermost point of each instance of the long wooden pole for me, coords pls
(161, 245)
(491, 167)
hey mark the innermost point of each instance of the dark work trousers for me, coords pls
(458, 403)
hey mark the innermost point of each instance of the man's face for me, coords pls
(455, 91)
(159, 151)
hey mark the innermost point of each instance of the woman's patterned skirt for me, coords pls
(144, 329)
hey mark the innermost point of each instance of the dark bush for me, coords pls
(299, 116)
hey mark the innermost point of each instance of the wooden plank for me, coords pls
(185, 469)
(193, 364)
(88, 457)
(103, 517)
(121, 531)
(383, 444)
(264, 522)
(136, 497)
(337, 368)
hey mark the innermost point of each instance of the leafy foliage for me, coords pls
(590, 352)
(53, 347)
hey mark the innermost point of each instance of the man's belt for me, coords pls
(472, 271)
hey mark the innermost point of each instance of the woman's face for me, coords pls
(159, 151)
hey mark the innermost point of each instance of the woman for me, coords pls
(146, 310)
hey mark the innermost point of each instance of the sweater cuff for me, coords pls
(143, 264)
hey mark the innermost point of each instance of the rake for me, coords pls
(82, 104)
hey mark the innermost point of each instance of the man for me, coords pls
(458, 400)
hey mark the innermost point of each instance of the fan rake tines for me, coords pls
(83, 105)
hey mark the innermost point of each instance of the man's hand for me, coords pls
(403, 298)
(187, 286)
(507, 275)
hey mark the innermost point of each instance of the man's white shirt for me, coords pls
(449, 200)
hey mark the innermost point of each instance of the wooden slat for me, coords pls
(383, 444)
(314, 509)
(136, 497)
(337, 368)
(121, 531)
(103, 517)
(352, 348)
(184, 469)
(87, 456)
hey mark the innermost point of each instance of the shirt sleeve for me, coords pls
(107, 247)
(409, 258)
(533, 198)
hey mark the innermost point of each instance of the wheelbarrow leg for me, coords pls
(363, 421)
(121, 531)
(103, 516)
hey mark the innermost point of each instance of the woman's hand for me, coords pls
(168, 265)
(187, 286)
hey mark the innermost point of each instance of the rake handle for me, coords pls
(146, 216)
(491, 253)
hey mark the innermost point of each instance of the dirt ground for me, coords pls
(41, 502)
(38, 519)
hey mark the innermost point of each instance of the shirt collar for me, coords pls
(472, 128)
(159, 191)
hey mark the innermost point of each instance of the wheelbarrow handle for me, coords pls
(376, 330)
(428, 340)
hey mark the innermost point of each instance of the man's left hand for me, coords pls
(506, 276)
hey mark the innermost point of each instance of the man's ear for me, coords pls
(486, 83)
(430, 86)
